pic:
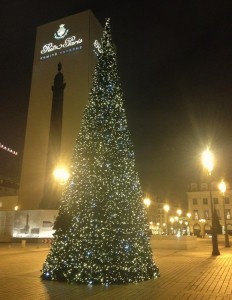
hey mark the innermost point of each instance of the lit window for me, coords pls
(228, 214)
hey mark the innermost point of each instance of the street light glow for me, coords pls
(208, 160)
(172, 220)
(61, 175)
(222, 187)
(179, 212)
(189, 215)
(166, 207)
(147, 202)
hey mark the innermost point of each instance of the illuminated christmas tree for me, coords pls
(101, 226)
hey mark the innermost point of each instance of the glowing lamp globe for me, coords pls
(61, 175)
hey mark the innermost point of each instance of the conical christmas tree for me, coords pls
(101, 226)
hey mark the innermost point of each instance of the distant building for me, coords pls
(200, 208)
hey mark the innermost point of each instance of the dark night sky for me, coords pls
(175, 64)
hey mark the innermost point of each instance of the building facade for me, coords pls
(65, 55)
(199, 197)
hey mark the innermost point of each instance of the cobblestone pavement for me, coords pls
(185, 274)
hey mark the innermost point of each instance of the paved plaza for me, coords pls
(185, 274)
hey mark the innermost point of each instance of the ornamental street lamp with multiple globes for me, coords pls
(208, 163)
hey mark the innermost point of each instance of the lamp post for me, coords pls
(208, 163)
(179, 212)
(166, 208)
(222, 188)
(202, 222)
(172, 220)
(189, 222)
(147, 202)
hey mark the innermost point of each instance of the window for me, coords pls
(194, 201)
(195, 215)
(206, 214)
(228, 214)
(215, 200)
(205, 201)
(227, 200)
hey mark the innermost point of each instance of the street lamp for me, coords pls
(189, 223)
(179, 212)
(172, 220)
(202, 222)
(208, 163)
(189, 215)
(61, 175)
(222, 188)
(147, 202)
(166, 208)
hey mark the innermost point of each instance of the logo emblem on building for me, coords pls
(97, 45)
(61, 32)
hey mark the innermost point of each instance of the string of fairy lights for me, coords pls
(3, 147)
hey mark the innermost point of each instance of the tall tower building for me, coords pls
(64, 59)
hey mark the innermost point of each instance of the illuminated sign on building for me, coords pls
(61, 32)
(97, 45)
(70, 44)
(67, 43)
